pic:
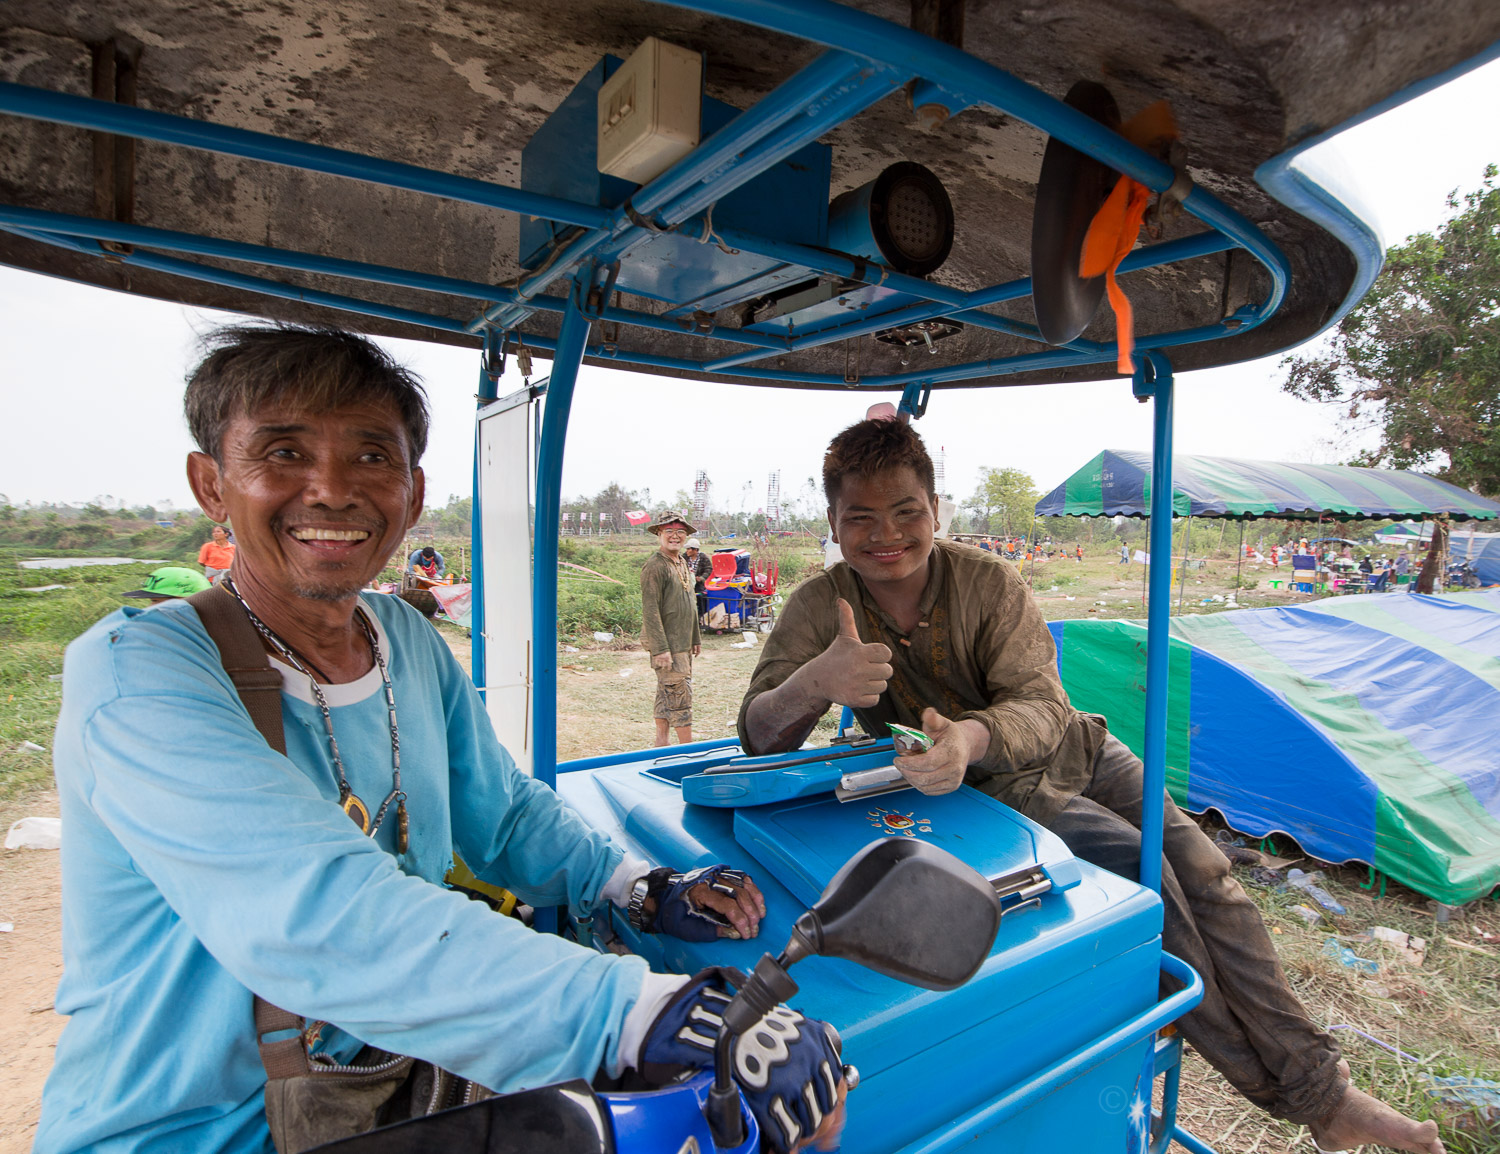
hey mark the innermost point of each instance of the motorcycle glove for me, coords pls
(785, 1064)
(676, 914)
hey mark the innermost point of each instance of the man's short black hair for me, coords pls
(429, 552)
(872, 447)
(248, 366)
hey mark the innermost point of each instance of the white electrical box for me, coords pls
(649, 111)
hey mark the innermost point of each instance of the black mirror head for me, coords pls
(906, 909)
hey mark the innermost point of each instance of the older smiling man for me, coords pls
(203, 868)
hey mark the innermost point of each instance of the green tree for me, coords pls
(1419, 358)
(1004, 502)
(616, 501)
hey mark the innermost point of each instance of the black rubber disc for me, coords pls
(1069, 193)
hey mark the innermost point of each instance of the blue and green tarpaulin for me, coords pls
(1118, 483)
(1364, 727)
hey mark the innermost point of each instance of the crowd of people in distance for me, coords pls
(1378, 573)
(1018, 548)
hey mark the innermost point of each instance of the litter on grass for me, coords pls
(1477, 1094)
(1409, 948)
(1346, 957)
(35, 833)
(1308, 884)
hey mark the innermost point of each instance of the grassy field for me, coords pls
(35, 627)
(1445, 1013)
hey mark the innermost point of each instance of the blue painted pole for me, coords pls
(571, 341)
(487, 392)
(1153, 378)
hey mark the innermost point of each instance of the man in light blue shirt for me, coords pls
(202, 868)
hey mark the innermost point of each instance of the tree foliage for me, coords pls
(1419, 357)
(1004, 502)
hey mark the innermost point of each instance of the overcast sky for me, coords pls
(93, 379)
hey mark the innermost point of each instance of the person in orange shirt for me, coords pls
(217, 555)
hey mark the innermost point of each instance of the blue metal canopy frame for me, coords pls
(865, 60)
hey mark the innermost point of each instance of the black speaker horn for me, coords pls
(1072, 188)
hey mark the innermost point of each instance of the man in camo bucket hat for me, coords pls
(669, 626)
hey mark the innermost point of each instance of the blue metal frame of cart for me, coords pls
(865, 59)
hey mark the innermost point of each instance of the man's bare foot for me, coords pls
(1361, 1119)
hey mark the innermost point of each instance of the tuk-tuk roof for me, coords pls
(459, 87)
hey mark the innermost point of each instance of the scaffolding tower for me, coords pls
(700, 498)
(773, 498)
(939, 474)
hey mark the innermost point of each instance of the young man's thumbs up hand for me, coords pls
(850, 672)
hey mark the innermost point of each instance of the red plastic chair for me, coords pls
(724, 565)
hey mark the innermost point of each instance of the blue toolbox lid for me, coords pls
(781, 776)
(804, 843)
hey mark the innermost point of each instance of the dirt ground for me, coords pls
(31, 960)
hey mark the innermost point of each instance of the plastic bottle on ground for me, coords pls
(1308, 884)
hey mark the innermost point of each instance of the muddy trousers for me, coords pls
(1250, 1026)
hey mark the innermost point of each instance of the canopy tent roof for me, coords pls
(1118, 483)
(1361, 726)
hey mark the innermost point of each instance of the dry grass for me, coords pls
(1445, 1013)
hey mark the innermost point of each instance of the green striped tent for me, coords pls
(1118, 483)
(1368, 728)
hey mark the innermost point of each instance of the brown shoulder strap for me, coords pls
(245, 661)
(259, 687)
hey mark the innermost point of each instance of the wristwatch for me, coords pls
(635, 908)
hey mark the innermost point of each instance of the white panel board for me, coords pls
(505, 471)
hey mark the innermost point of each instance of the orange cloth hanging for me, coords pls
(1117, 225)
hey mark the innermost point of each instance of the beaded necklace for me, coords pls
(349, 801)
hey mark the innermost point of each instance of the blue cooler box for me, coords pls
(1070, 966)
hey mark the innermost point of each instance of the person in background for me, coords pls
(169, 583)
(1078, 552)
(423, 568)
(217, 555)
(701, 566)
(669, 627)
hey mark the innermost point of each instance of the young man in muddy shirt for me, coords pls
(920, 631)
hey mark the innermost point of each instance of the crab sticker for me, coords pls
(894, 822)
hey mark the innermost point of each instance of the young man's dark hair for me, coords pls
(872, 447)
(249, 366)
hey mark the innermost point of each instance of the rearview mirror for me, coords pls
(906, 909)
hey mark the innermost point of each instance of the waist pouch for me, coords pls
(310, 1101)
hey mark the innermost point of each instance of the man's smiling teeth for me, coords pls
(330, 534)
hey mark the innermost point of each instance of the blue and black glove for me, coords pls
(785, 1064)
(660, 903)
